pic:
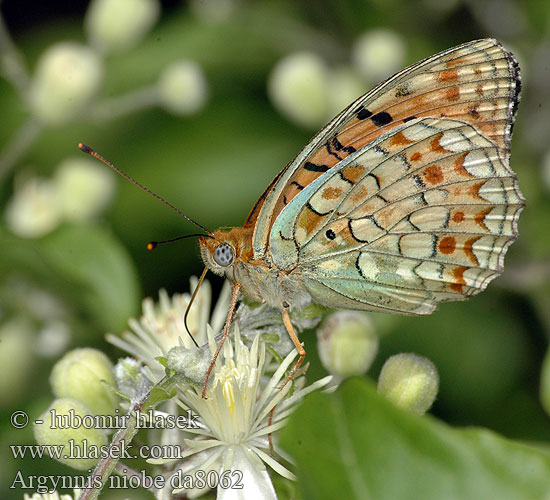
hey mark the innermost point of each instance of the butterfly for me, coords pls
(404, 200)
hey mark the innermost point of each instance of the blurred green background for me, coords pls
(84, 277)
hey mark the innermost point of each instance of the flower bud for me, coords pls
(410, 381)
(52, 339)
(190, 364)
(117, 25)
(378, 53)
(345, 86)
(182, 88)
(132, 378)
(81, 374)
(84, 188)
(347, 343)
(34, 209)
(68, 75)
(69, 420)
(298, 87)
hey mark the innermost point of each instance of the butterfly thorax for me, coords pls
(229, 253)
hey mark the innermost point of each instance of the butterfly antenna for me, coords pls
(154, 244)
(195, 292)
(91, 152)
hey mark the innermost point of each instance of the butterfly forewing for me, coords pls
(476, 83)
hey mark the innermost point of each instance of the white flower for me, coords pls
(162, 326)
(68, 76)
(378, 53)
(299, 88)
(84, 188)
(34, 209)
(182, 88)
(232, 439)
(118, 25)
(235, 418)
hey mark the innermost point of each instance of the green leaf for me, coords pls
(97, 268)
(374, 450)
(159, 394)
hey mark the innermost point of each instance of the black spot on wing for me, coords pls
(338, 146)
(328, 147)
(297, 184)
(313, 167)
(381, 119)
(409, 118)
(363, 113)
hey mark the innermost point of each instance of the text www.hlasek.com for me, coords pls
(82, 449)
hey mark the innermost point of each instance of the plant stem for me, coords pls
(107, 465)
(131, 102)
(11, 62)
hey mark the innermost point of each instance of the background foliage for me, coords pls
(86, 278)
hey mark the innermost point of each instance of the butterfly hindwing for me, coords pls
(476, 83)
(421, 215)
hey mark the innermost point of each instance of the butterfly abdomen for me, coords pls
(262, 282)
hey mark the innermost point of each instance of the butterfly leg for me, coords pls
(228, 321)
(297, 344)
(301, 353)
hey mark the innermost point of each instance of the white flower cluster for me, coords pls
(244, 389)
(247, 400)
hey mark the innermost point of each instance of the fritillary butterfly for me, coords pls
(402, 201)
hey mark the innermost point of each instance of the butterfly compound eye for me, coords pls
(224, 255)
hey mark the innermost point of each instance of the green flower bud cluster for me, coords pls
(79, 190)
(69, 76)
(308, 92)
(83, 383)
